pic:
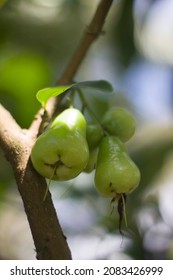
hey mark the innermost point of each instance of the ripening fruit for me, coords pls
(94, 134)
(119, 122)
(91, 165)
(62, 152)
(116, 173)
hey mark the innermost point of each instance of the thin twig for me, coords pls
(92, 32)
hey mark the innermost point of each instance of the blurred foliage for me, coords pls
(123, 34)
(22, 74)
(37, 39)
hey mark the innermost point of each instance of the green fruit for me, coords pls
(92, 161)
(94, 134)
(61, 152)
(73, 119)
(115, 173)
(119, 122)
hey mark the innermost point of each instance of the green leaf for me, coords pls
(100, 85)
(44, 94)
(101, 89)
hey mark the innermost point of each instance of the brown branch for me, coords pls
(48, 237)
(9, 130)
(49, 240)
(91, 34)
(17, 144)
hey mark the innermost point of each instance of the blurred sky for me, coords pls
(151, 78)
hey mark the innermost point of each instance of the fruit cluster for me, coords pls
(116, 173)
(70, 146)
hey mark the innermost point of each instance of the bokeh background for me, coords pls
(135, 54)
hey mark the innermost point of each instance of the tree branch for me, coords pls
(17, 144)
(9, 131)
(92, 32)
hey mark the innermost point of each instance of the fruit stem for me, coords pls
(92, 114)
(86, 105)
(71, 98)
(124, 209)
